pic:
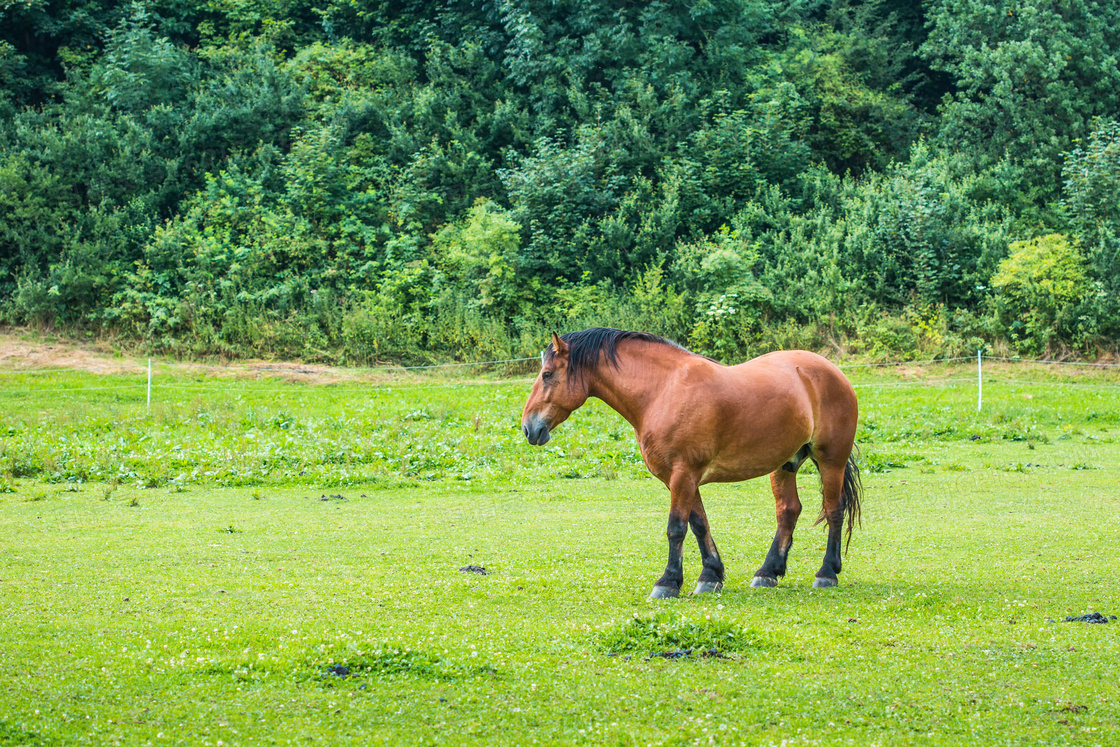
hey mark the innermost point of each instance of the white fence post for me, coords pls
(979, 383)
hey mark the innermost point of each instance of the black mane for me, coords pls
(585, 347)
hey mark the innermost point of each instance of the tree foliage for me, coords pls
(357, 180)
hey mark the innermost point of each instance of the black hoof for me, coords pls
(760, 582)
(663, 592)
(708, 587)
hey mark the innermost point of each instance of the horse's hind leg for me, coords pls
(832, 512)
(788, 508)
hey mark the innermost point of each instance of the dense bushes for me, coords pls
(415, 181)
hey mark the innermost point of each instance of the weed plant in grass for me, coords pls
(240, 601)
(664, 634)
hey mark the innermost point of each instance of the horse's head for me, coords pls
(555, 394)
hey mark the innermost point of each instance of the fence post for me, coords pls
(979, 383)
(149, 386)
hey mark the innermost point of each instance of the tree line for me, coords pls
(361, 180)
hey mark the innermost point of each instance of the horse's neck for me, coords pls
(641, 374)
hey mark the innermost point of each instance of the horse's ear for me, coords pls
(559, 346)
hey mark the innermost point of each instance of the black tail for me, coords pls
(850, 495)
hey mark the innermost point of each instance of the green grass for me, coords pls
(223, 603)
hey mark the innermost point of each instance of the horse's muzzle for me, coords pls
(536, 431)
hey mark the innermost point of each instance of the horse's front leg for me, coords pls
(682, 493)
(787, 506)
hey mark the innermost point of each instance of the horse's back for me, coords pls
(815, 371)
(791, 359)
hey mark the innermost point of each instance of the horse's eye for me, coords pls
(546, 375)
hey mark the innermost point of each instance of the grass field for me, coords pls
(265, 562)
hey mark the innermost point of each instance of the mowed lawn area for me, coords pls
(258, 561)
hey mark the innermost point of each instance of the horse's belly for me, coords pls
(720, 472)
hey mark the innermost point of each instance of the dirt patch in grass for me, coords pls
(24, 352)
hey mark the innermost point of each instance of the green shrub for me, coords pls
(1040, 285)
(481, 255)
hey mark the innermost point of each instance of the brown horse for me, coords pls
(698, 421)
